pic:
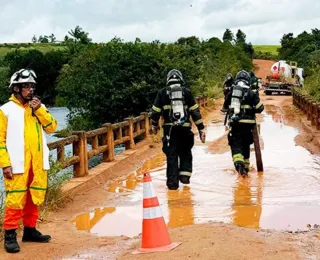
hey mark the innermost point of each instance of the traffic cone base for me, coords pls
(157, 249)
(155, 235)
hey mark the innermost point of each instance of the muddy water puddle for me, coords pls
(286, 196)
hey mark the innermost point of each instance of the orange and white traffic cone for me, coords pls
(155, 236)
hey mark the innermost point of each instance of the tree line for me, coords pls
(305, 50)
(109, 81)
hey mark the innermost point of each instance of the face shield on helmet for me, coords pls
(23, 76)
(174, 76)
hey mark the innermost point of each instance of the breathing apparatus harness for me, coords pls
(239, 93)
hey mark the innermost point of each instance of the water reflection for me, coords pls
(180, 207)
(247, 203)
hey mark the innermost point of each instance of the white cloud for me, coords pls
(264, 22)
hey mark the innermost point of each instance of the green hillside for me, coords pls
(273, 49)
(44, 47)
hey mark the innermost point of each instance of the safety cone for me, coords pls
(155, 236)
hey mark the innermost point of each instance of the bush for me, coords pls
(110, 82)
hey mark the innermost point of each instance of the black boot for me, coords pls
(241, 170)
(184, 179)
(33, 235)
(10, 241)
(172, 184)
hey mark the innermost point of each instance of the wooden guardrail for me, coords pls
(309, 105)
(103, 141)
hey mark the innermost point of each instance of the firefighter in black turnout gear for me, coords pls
(254, 82)
(242, 104)
(176, 104)
(227, 84)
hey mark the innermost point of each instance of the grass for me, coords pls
(4, 49)
(54, 200)
(273, 49)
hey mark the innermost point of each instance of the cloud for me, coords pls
(167, 20)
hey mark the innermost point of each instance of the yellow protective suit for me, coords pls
(17, 188)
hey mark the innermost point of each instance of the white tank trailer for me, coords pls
(283, 77)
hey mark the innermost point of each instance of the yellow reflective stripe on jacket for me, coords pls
(238, 157)
(258, 105)
(3, 148)
(185, 124)
(247, 162)
(15, 191)
(37, 188)
(157, 109)
(246, 106)
(194, 107)
(198, 122)
(49, 124)
(167, 107)
(247, 121)
(185, 173)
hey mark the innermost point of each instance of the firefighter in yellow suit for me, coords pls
(24, 158)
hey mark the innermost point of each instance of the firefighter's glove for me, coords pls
(202, 135)
(154, 130)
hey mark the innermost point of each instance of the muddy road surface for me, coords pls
(273, 214)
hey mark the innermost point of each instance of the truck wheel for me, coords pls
(268, 93)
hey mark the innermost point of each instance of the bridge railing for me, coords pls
(309, 105)
(103, 141)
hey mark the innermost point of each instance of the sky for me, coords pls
(263, 21)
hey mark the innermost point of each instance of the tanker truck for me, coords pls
(283, 77)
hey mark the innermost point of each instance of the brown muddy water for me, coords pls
(286, 196)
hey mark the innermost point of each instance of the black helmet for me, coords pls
(174, 76)
(229, 76)
(243, 76)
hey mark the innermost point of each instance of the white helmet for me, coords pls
(23, 76)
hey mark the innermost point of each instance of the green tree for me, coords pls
(240, 37)
(228, 36)
(52, 38)
(79, 35)
(43, 39)
(34, 39)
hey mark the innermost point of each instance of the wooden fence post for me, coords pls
(130, 144)
(80, 149)
(108, 139)
(146, 123)
(318, 116)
